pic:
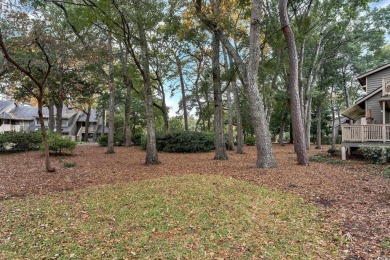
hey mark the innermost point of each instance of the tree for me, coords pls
(249, 73)
(38, 79)
(296, 117)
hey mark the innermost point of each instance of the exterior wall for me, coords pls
(373, 102)
(374, 81)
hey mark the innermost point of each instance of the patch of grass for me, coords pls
(195, 217)
(323, 159)
(69, 164)
(386, 172)
(386, 243)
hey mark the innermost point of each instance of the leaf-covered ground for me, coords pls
(193, 216)
(354, 197)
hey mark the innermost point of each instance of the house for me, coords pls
(370, 115)
(17, 118)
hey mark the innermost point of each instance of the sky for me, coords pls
(380, 4)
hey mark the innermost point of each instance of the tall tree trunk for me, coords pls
(346, 89)
(164, 110)
(230, 120)
(86, 130)
(51, 118)
(44, 135)
(59, 106)
(319, 121)
(220, 146)
(111, 85)
(230, 144)
(282, 127)
(129, 85)
(183, 91)
(265, 157)
(333, 119)
(248, 75)
(240, 135)
(208, 111)
(296, 117)
(308, 122)
(151, 147)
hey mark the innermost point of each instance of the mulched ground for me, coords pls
(354, 197)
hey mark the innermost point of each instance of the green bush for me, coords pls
(136, 139)
(57, 143)
(119, 140)
(20, 141)
(103, 140)
(333, 151)
(183, 142)
(375, 154)
(250, 140)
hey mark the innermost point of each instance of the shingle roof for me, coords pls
(92, 118)
(4, 104)
(66, 112)
(24, 112)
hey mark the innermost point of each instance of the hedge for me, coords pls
(183, 142)
(375, 154)
(20, 141)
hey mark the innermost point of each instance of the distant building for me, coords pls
(25, 118)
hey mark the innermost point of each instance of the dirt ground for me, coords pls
(354, 197)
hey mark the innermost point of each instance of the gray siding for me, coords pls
(374, 81)
(376, 108)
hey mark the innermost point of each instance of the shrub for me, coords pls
(250, 140)
(20, 141)
(119, 140)
(375, 154)
(57, 143)
(136, 139)
(103, 140)
(183, 142)
(333, 151)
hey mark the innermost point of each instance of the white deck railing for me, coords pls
(9, 128)
(366, 133)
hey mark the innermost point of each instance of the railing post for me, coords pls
(384, 133)
(362, 133)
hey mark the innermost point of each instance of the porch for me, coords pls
(366, 133)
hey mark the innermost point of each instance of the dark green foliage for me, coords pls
(69, 164)
(20, 141)
(375, 154)
(333, 151)
(103, 140)
(136, 139)
(183, 142)
(119, 140)
(57, 143)
(323, 159)
(250, 140)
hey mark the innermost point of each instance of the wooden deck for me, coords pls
(366, 133)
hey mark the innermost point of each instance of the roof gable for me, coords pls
(363, 77)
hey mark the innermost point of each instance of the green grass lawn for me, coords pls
(199, 217)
